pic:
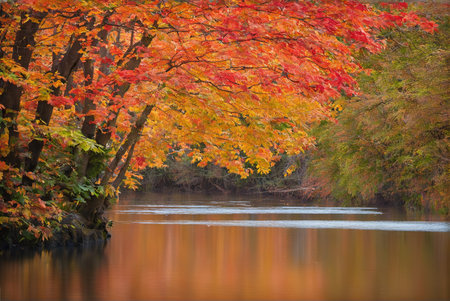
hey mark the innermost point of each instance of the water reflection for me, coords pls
(149, 260)
(60, 274)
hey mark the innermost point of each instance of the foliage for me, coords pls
(392, 141)
(94, 91)
(27, 213)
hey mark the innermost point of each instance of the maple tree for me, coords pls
(93, 91)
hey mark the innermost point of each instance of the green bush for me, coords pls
(391, 143)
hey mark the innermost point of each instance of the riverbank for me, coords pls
(70, 231)
(304, 185)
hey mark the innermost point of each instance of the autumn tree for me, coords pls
(391, 142)
(93, 91)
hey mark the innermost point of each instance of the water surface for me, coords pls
(192, 247)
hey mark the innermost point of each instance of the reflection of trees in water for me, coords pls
(59, 274)
(76, 269)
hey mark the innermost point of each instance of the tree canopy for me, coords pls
(92, 91)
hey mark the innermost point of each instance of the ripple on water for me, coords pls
(417, 226)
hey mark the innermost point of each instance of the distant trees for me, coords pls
(391, 142)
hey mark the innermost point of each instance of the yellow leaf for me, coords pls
(57, 84)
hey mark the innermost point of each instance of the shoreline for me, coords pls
(70, 232)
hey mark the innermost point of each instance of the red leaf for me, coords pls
(58, 101)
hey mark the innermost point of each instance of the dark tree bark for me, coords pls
(10, 98)
(44, 110)
(88, 127)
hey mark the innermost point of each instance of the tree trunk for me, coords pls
(44, 110)
(118, 180)
(10, 98)
(103, 135)
(132, 137)
(88, 128)
(93, 209)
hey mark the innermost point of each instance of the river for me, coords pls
(197, 247)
